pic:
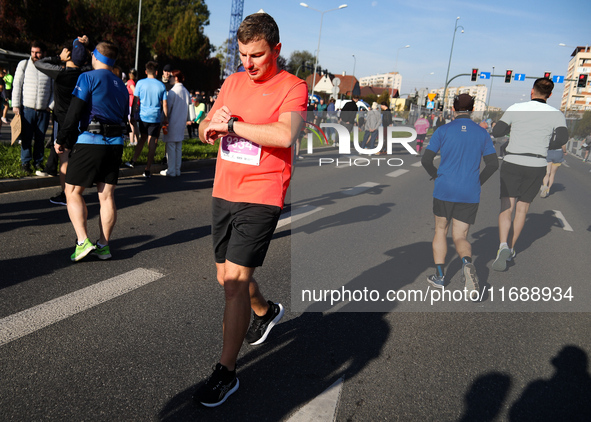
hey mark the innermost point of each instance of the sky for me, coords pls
(521, 35)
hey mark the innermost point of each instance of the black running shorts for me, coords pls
(421, 138)
(521, 182)
(464, 212)
(242, 231)
(150, 129)
(90, 164)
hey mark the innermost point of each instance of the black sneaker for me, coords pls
(261, 326)
(59, 199)
(218, 387)
(147, 174)
(27, 169)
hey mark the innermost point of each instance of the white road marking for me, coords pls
(28, 321)
(294, 215)
(321, 408)
(563, 221)
(356, 190)
(397, 173)
(565, 163)
(417, 164)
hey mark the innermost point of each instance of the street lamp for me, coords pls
(490, 92)
(137, 43)
(397, 51)
(354, 63)
(449, 63)
(342, 6)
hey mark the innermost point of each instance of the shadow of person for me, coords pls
(301, 359)
(485, 397)
(404, 266)
(564, 397)
(363, 213)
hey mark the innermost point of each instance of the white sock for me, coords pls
(503, 245)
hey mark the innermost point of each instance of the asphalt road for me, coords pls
(140, 352)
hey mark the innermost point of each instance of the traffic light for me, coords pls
(582, 83)
(508, 76)
(474, 75)
(547, 75)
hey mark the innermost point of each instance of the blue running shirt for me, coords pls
(462, 143)
(151, 93)
(108, 101)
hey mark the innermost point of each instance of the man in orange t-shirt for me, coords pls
(257, 115)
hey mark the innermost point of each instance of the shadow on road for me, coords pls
(302, 358)
(564, 397)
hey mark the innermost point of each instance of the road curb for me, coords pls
(37, 182)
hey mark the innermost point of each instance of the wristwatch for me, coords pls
(231, 124)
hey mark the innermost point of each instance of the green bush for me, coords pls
(193, 149)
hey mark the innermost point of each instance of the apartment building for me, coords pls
(577, 100)
(385, 80)
(479, 92)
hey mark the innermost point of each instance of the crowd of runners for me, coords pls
(257, 116)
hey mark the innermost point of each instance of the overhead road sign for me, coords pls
(558, 79)
(484, 75)
(519, 77)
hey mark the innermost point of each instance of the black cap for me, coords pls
(78, 53)
(464, 102)
(168, 68)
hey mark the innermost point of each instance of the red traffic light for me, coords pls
(508, 76)
(547, 75)
(582, 83)
(474, 75)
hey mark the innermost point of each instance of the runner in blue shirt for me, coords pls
(152, 97)
(93, 137)
(456, 196)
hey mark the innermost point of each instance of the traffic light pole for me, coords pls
(492, 76)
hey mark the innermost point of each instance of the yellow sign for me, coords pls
(431, 96)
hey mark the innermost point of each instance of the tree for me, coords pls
(384, 96)
(188, 40)
(296, 59)
(583, 126)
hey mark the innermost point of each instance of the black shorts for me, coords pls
(90, 164)
(242, 231)
(150, 129)
(521, 182)
(464, 212)
(421, 138)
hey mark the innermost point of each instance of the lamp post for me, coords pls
(490, 92)
(449, 63)
(354, 63)
(137, 43)
(398, 51)
(342, 6)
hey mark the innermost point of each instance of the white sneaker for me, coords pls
(165, 173)
(4, 120)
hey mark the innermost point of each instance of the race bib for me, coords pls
(240, 150)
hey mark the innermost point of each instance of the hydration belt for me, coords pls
(527, 154)
(109, 131)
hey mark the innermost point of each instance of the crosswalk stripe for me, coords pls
(356, 190)
(565, 225)
(397, 173)
(323, 407)
(294, 215)
(28, 321)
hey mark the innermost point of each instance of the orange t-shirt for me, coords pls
(245, 171)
